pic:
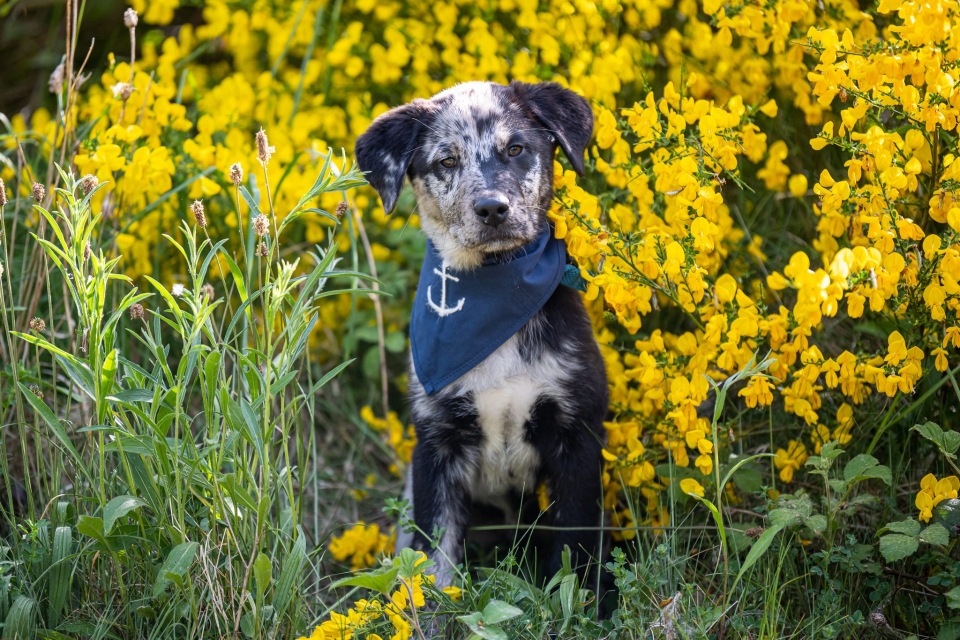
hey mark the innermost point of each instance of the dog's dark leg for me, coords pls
(569, 455)
(444, 466)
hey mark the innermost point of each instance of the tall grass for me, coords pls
(183, 433)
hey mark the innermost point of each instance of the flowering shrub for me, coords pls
(771, 179)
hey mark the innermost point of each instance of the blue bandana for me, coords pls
(461, 317)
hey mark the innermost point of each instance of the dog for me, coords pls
(507, 385)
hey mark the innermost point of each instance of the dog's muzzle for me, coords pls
(492, 211)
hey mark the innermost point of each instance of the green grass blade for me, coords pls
(21, 621)
(61, 574)
(292, 570)
(56, 427)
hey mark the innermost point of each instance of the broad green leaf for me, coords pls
(908, 527)
(411, 563)
(896, 546)
(935, 534)
(481, 629)
(817, 523)
(262, 575)
(498, 611)
(291, 573)
(950, 630)
(92, 527)
(791, 511)
(865, 466)
(176, 565)
(758, 549)
(381, 582)
(60, 574)
(108, 374)
(568, 595)
(947, 441)
(948, 513)
(953, 598)
(117, 508)
(21, 621)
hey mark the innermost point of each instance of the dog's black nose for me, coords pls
(492, 211)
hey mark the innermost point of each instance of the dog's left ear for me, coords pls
(564, 113)
(386, 148)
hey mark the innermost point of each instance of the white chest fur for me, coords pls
(505, 390)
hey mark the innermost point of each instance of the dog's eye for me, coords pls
(449, 163)
(514, 150)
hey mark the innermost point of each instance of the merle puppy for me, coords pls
(507, 385)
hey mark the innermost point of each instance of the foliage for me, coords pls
(189, 467)
(771, 182)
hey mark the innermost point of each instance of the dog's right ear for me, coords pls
(385, 150)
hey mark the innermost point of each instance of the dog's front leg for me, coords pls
(570, 464)
(575, 490)
(441, 505)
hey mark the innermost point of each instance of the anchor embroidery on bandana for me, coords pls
(443, 310)
(505, 292)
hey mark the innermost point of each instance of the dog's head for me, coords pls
(480, 158)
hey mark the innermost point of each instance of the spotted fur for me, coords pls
(480, 159)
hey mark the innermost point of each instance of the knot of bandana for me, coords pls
(461, 317)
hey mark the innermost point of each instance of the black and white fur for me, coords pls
(480, 159)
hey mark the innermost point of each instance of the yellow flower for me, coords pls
(691, 487)
(933, 491)
(360, 545)
(790, 459)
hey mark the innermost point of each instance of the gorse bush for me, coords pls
(769, 224)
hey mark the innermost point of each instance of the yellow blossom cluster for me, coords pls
(360, 545)
(399, 437)
(700, 110)
(663, 232)
(933, 491)
(399, 610)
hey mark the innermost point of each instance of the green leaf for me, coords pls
(498, 611)
(175, 567)
(108, 374)
(953, 598)
(792, 511)
(92, 527)
(60, 574)
(262, 575)
(411, 563)
(950, 630)
(21, 620)
(817, 523)
(479, 627)
(758, 549)
(935, 534)
(908, 527)
(380, 581)
(896, 546)
(948, 513)
(395, 342)
(117, 508)
(865, 466)
(251, 202)
(947, 441)
(129, 396)
(291, 573)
